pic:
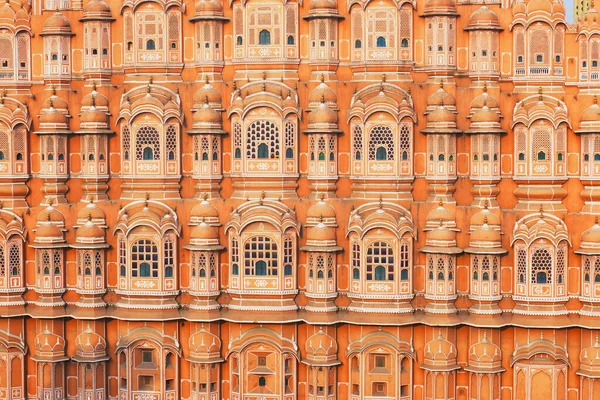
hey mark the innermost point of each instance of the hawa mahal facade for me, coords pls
(288, 200)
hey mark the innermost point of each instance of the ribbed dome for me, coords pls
(324, 5)
(322, 93)
(321, 347)
(591, 114)
(207, 115)
(57, 24)
(484, 354)
(539, 5)
(92, 114)
(96, 10)
(210, 92)
(48, 232)
(590, 238)
(484, 17)
(441, 97)
(322, 115)
(7, 13)
(440, 235)
(55, 102)
(320, 210)
(49, 344)
(51, 214)
(95, 98)
(440, 213)
(204, 210)
(486, 234)
(90, 232)
(519, 8)
(441, 114)
(91, 210)
(321, 232)
(208, 7)
(485, 216)
(439, 7)
(204, 346)
(203, 231)
(53, 116)
(485, 115)
(89, 344)
(440, 351)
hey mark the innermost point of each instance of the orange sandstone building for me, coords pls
(288, 200)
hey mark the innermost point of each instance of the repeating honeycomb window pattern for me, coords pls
(147, 143)
(541, 266)
(381, 143)
(357, 142)
(171, 141)
(126, 139)
(521, 265)
(14, 256)
(2, 262)
(263, 140)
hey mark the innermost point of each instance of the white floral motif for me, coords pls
(144, 284)
(379, 287)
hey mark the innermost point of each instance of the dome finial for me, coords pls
(93, 101)
(383, 78)
(206, 100)
(322, 99)
(205, 196)
(541, 211)
(380, 201)
(89, 216)
(484, 87)
(53, 89)
(541, 93)
(486, 205)
(94, 86)
(322, 78)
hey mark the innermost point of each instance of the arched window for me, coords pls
(380, 273)
(381, 41)
(358, 44)
(541, 266)
(264, 37)
(404, 43)
(262, 381)
(261, 268)
(150, 45)
(148, 154)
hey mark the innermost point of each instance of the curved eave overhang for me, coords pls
(484, 370)
(322, 249)
(94, 132)
(323, 15)
(197, 360)
(586, 131)
(85, 359)
(56, 34)
(84, 246)
(588, 252)
(441, 250)
(49, 245)
(588, 374)
(56, 133)
(219, 132)
(50, 359)
(214, 247)
(440, 368)
(312, 363)
(496, 28)
(447, 131)
(485, 132)
(323, 131)
(491, 251)
(97, 18)
(197, 18)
